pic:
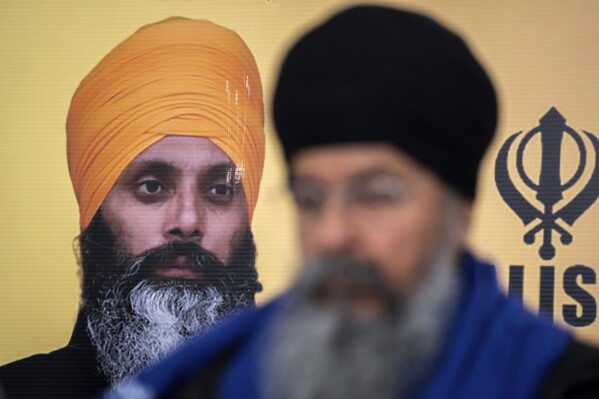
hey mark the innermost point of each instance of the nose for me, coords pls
(335, 232)
(184, 217)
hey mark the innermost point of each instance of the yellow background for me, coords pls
(539, 53)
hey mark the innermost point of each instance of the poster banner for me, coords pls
(535, 215)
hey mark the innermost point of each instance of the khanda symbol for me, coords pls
(549, 188)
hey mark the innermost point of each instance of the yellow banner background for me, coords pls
(539, 53)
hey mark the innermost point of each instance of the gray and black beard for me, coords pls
(314, 351)
(134, 320)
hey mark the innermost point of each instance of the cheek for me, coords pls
(223, 232)
(401, 249)
(307, 241)
(140, 234)
(136, 228)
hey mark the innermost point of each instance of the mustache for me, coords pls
(141, 266)
(360, 276)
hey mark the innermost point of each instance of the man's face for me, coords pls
(374, 203)
(380, 235)
(168, 256)
(177, 191)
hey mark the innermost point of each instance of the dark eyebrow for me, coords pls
(149, 167)
(218, 171)
(373, 172)
(293, 180)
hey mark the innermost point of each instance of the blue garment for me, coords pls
(495, 349)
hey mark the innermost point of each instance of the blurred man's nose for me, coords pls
(335, 232)
(184, 216)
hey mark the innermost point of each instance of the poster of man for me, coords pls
(165, 147)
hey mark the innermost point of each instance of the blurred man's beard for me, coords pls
(323, 346)
(133, 320)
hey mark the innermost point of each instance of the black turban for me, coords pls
(376, 74)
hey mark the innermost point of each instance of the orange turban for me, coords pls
(175, 77)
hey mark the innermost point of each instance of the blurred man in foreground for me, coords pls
(165, 146)
(384, 117)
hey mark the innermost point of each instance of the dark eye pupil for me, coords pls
(152, 187)
(223, 189)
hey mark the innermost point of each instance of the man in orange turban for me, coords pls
(165, 146)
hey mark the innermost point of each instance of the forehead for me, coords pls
(344, 161)
(186, 153)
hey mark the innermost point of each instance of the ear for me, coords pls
(458, 214)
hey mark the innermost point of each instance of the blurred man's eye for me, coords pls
(379, 190)
(308, 199)
(373, 198)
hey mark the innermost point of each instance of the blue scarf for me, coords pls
(495, 350)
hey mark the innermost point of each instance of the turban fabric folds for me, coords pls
(175, 77)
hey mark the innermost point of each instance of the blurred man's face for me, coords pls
(177, 191)
(373, 203)
(380, 235)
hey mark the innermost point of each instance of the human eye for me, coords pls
(150, 190)
(308, 198)
(222, 193)
(379, 191)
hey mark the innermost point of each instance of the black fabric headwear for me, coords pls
(376, 74)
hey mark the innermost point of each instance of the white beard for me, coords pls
(130, 332)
